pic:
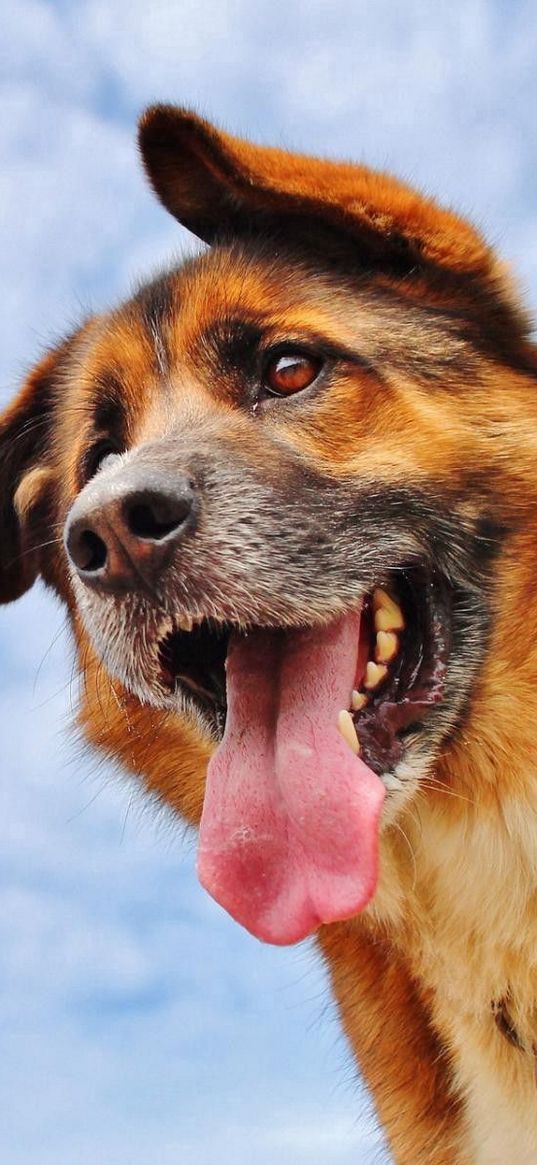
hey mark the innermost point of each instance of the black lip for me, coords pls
(416, 682)
(197, 659)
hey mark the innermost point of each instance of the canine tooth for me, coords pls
(358, 701)
(387, 646)
(345, 724)
(375, 673)
(387, 613)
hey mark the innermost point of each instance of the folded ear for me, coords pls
(26, 474)
(215, 183)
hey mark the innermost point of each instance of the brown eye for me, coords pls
(291, 372)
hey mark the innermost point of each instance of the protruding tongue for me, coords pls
(289, 832)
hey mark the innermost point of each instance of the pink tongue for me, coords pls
(288, 836)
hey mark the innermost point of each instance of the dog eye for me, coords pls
(96, 455)
(291, 372)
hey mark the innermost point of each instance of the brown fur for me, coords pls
(444, 399)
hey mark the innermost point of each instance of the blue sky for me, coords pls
(139, 1023)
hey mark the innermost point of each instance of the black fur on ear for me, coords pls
(25, 470)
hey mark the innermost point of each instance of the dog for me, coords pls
(288, 495)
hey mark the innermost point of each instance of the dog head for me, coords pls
(270, 488)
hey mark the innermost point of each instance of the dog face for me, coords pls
(272, 488)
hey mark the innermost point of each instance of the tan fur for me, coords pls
(451, 934)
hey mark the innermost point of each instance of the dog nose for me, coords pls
(122, 538)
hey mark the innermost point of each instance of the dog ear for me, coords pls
(26, 475)
(214, 184)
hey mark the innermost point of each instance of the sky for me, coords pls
(138, 1022)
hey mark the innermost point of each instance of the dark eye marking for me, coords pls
(256, 363)
(108, 410)
(107, 432)
(233, 342)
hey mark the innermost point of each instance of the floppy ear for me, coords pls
(26, 476)
(214, 183)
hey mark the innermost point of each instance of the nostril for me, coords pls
(155, 517)
(143, 522)
(87, 550)
(118, 537)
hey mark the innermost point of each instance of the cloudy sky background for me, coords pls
(138, 1023)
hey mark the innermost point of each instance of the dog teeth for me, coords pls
(346, 727)
(375, 673)
(387, 614)
(387, 646)
(358, 701)
(186, 623)
(388, 621)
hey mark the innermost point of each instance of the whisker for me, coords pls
(61, 631)
(395, 825)
(436, 786)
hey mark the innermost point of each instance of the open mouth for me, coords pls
(403, 649)
(311, 723)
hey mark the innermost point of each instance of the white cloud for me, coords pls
(443, 97)
(69, 221)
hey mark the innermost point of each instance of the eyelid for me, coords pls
(279, 346)
(320, 346)
(291, 348)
